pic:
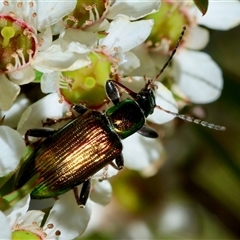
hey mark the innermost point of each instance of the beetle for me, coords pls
(70, 156)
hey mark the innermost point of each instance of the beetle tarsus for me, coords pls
(112, 92)
(38, 132)
(52, 121)
(119, 162)
(84, 194)
(146, 131)
(79, 109)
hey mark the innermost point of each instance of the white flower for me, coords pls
(221, 15)
(12, 116)
(23, 37)
(65, 220)
(112, 51)
(133, 9)
(94, 17)
(197, 77)
(12, 147)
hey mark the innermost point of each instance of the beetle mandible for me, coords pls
(71, 155)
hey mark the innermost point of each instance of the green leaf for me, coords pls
(202, 5)
(38, 76)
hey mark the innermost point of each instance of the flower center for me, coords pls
(86, 13)
(87, 85)
(17, 44)
(168, 23)
(24, 234)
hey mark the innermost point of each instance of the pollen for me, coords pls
(19, 4)
(88, 8)
(50, 226)
(5, 3)
(58, 233)
(88, 22)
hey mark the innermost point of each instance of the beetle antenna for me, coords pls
(194, 120)
(170, 57)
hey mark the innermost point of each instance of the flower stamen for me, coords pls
(5, 3)
(20, 54)
(7, 33)
(58, 233)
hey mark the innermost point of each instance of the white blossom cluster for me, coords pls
(71, 48)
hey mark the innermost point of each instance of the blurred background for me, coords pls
(196, 194)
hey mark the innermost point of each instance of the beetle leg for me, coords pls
(119, 162)
(52, 121)
(113, 92)
(84, 194)
(146, 131)
(38, 132)
(79, 109)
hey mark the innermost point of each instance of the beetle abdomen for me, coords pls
(72, 155)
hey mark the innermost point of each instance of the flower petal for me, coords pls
(50, 82)
(8, 92)
(108, 170)
(22, 76)
(50, 12)
(55, 59)
(128, 63)
(197, 38)
(19, 210)
(47, 107)
(13, 115)
(148, 65)
(30, 217)
(164, 99)
(78, 41)
(134, 9)
(221, 15)
(46, 37)
(198, 76)
(68, 217)
(125, 35)
(5, 228)
(102, 192)
(12, 147)
(143, 154)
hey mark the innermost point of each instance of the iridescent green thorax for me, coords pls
(126, 118)
(17, 44)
